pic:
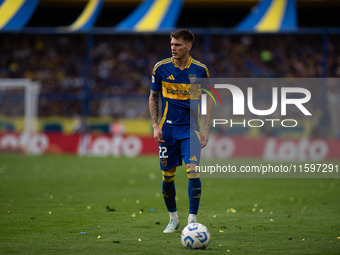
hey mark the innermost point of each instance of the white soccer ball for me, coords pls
(195, 236)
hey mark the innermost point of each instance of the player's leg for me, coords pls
(169, 195)
(170, 158)
(194, 192)
(191, 152)
(169, 191)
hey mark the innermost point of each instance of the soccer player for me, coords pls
(172, 78)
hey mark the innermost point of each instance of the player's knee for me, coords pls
(169, 175)
(192, 172)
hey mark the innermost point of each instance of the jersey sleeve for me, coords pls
(206, 73)
(156, 83)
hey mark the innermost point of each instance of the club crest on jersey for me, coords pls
(164, 162)
(192, 78)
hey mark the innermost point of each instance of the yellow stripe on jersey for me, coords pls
(202, 65)
(187, 66)
(164, 115)
(180, 91)
(173, 61)
(189, 62)
(198, 135)
(164, 61)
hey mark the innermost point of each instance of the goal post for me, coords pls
(19, 100)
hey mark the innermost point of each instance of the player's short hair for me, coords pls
(185, 34)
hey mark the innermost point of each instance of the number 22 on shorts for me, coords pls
(162, 152)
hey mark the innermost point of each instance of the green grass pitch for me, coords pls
(93, 205)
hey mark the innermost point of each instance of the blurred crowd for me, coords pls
(109, 75)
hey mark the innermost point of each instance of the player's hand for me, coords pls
(204, 138)
(157, 133)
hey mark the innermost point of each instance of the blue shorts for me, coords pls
(182, 143)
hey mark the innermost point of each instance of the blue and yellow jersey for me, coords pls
(180, 98)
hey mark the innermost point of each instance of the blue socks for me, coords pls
(194, 192)
(169, 194)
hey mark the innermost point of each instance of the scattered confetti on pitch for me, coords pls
(109, 209)
(231, 210)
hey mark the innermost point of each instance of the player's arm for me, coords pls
(153, 108)
(207, 118)
(206, 126)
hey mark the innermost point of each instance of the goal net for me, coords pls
(19, 108)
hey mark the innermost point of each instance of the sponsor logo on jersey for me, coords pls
(180, 91)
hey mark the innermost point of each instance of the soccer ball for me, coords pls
(195, 236)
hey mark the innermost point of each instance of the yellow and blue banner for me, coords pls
(14, 14)
(153, 15)
(88, 17)
(271, 16)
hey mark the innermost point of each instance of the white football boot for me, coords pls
(172, 226)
